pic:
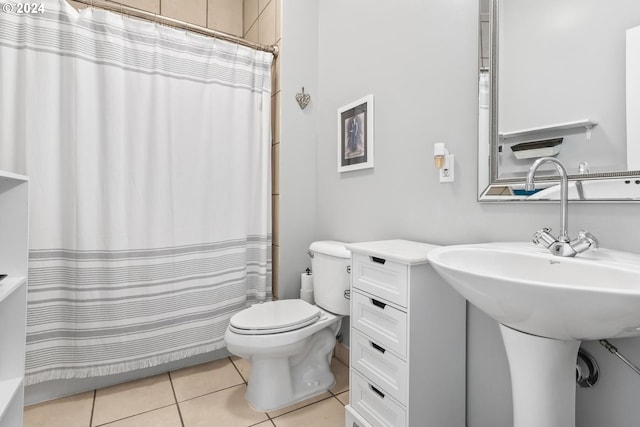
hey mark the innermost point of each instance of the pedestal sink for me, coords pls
(545, 305)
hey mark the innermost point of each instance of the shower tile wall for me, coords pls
(262, 25)
(255, 20)
(221, 15)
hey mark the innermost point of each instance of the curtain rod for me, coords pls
(139, 13)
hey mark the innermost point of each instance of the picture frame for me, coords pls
(355, 135)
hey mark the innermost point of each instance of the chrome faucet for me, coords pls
(562, 245)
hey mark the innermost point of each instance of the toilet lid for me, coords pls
(274, 317)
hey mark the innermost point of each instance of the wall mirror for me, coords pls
(559, 78)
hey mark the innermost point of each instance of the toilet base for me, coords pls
(276, 382)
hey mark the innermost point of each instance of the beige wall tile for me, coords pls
(152, 6)
(250, 8)
(205, 378)
(275, 169)
(226, 408)
(278, 19)
(275, 117)
(226, 16)
(252, 34)
(124, 400)
(267, 27)
(164, 417)
(262, 4)
(72, 411)
(275, 228)
(77, 5)
(275, 72)
(276, 267)
(193, 11)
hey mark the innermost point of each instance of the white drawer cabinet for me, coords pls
(407, 349)
(386, 324)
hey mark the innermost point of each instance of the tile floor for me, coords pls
(207, 395)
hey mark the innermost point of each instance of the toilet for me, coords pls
(289, 343)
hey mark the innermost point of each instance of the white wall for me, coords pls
(298, 139)
(419, 59)
(564, 61)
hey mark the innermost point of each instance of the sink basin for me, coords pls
(595, 295)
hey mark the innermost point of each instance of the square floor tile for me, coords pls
(327, 413)
(72, 411)
(243, 365)
(299, 405)
(343, 397)
(225, 408)
(132, 398)
(163, 417)
(341, 372)
(206, 378)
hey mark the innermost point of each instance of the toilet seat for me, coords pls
(274, 317)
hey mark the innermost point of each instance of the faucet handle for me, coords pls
(590, 238)
(543, 237)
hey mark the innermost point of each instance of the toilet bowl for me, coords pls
(289, 343)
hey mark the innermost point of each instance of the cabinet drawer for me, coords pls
(377, 276)
(383, 368)
(373, 405)
(353, 419)
(385, 324)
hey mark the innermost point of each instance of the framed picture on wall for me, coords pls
(355, 135)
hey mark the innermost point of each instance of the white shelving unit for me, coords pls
(408, 340)
(14, 221)
(566, 126)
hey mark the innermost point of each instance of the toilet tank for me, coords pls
(331, 266)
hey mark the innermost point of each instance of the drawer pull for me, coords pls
(377, 347)
(376, 391)
(377, 303)
(378, 260)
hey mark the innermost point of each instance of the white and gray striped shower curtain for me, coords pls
(148, 150)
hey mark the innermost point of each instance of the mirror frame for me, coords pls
(494, 141)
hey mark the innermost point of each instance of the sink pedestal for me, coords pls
(543, 379)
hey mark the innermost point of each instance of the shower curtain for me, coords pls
(148, 150)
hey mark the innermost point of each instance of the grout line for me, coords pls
(338, 399)
(211, 392)
(175, 398)
(93, 407)
(238, 370)
(132, 416)
(260, 422)
(341, 361)
(302, 407)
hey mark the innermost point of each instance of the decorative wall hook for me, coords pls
(303, 99)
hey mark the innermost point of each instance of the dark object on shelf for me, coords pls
(534, 149)
(2, 276)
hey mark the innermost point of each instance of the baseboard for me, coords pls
(342, 353)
